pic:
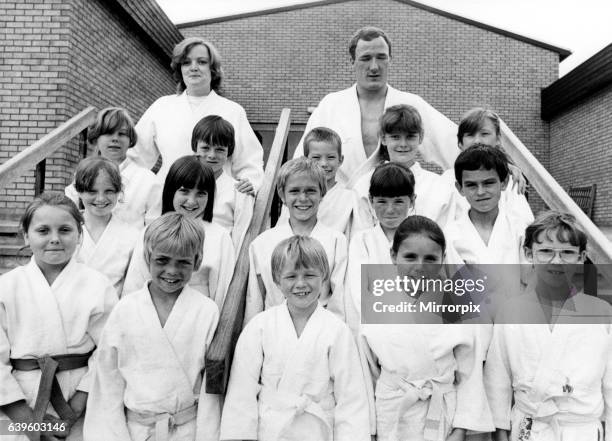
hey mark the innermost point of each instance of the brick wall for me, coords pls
(34, 48)
(293, 58)
(63, 56)
(581, 149)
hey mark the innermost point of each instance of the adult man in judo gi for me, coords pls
(354, 112)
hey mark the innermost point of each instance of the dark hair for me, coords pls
(564, 223)
(391, 180)
(401, 118)
(418, 225)
(473, 120)
(215, 131)
(188, 172)
(481, 156)
(367, 33)
(52, 199)
(89, 169)
(179, 54)
(322, 134)
(110, 120)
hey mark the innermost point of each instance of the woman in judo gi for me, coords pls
(166, 126)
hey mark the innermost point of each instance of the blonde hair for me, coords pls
(301, 165)
(305, 251)
(175, 233)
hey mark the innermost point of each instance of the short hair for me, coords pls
(565, 225)
(189, 172)
(418, 225)
(89, 169)
(215, 131)
(473, 120)
(392, 180)
(175, 233)
(367, 33)
(179, 54)
(481, 156)
(297, 166)
(52, 199)
(322, 134)
(305, 251)
(110, 120)
(401, 118)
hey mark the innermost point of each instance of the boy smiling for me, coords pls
(301, 185)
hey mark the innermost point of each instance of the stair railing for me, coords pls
(220, 352)
(599, 247)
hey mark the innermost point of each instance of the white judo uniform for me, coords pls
(499, 259)
(140, 202)
(559, 379)
(112, 253)
(211, 279)
(340, 112)
(513, 203)
(148, 375)
(285, 387)
(433, 199)
(37, 320)
(369, 246)
(166, 126)
(232, 209)
(438, 386)
(339, 210)
(260, 264)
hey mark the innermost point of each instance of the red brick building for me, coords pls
(578, 108)
(60, 56)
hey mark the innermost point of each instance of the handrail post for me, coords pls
(83, 144)
(39, 177)
(220, 351)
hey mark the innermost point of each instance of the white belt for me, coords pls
(421, 390)
(295, 405)
(164, 422)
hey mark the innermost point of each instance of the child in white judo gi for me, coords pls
(190, 189)
(148, 378)
(52, 312)
(301, 184)
(339, 207)
(481, 126)
(108, 242)
(427, 376)
(486, 233)
(548, 373)
(296, 373)
(401, 134)
(111, 135)
(391, 196)
(213, 143)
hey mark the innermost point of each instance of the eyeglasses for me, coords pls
(546, 255)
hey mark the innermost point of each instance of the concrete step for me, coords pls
(9, 227)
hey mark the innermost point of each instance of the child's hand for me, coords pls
(245, 186)
(78, 403)
(61, 427)
(456, 435)
(520, 183)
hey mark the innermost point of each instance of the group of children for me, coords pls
(304, 367)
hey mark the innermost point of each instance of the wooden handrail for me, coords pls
(45, 146)
(599, 247)
(230, 323)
